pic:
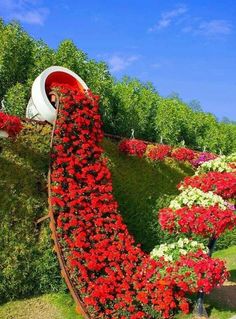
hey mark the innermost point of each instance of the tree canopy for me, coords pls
(125, 105)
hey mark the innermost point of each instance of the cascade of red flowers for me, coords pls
(113, 276)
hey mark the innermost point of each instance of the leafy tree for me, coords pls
(15, 56)
(16, 99)
(195, 105)
(69, 56)
(172, 121)
(42, 58)
(133, 106)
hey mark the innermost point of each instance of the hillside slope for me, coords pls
(29, 266)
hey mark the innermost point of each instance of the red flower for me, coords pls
(113, 276)
(133, 147)
(158, 152)
(183, 154)
(11, 124)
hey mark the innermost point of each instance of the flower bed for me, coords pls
(9, 124)
(133, 147)
(158, 152)
(113, 276)
(223, 184)
(205, 221)
(183, 154)
(202, 157)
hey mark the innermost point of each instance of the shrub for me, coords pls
(28, 264)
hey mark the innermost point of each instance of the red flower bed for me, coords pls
(183, 154)
(114, 278)
(207, 222)
(10, 124)
(223, 184)
(158, 152)
(133, 147)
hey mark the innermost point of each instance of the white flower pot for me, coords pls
(3, 134)
(39, 107)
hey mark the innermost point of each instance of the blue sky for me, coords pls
(188, 47)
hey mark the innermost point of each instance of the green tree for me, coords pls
(173, 122)
(133, 107)
(16, 99)
(42, 58)
(15, 56)
(69, 56)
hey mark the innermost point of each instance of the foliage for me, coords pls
(16, 99)
(28, 265)
(125, 105)
(15, 56)
(134, 106)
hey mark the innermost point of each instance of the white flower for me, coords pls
(183, 251)
(194, 196)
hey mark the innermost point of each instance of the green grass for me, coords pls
(229, 255)
(50, 306)
(141, 188)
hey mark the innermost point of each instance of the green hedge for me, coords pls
(27, 264)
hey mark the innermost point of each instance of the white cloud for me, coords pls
(168, 17)
(215, 27)
(211, 28)
(118, 63)
(28, 11)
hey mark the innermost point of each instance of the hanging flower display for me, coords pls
(158, 152)
(132, 147)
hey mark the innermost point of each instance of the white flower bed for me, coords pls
(192, 196)
(172, 252)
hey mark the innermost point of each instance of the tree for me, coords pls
(15, 56)
(133, 107)
(172, 120)
(16, 99)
